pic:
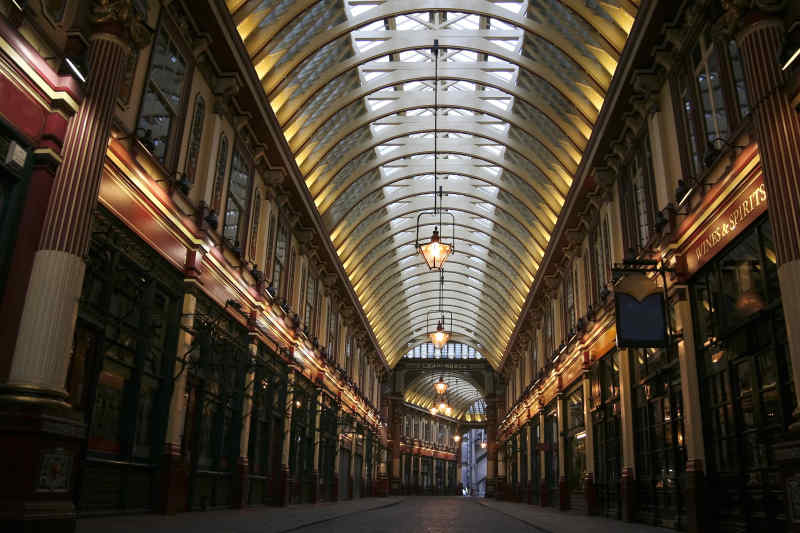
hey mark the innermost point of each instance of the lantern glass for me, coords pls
(435, 252)
(439, 337)
(434, 410)
(441, 386)
(448, 411)
(442, 406)
(457, 438)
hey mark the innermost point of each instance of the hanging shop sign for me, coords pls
(743, 208)
(640, 313)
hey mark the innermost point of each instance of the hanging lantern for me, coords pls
(439, 337)
(434, 410)
(440, 386)
(443, 406)
(448, 411)
(435, 252)
(483, 444)
(457, 438)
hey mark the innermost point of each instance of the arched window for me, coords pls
(253, 243)
(238, 196)
(219, 174)
(195, 138)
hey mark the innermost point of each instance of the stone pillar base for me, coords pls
(627, 489)
(563, 494)
(395, 487)
(173, 481)
(315, 487)
(491, 488)
(335, 488)
(544, 494)
(350, 488)
(240, 489)
(283, 493)
(382, 486)
(590, 493)
(500, 489)
(695, 495)
(39, 459)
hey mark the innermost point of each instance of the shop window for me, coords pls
(713, 97)
(220, 170)
(606, 433)
(745, 380)
(575, 439)
(163, 101)
(659, 447)
(551, 442)
(195, 139)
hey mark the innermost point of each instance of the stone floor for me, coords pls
(372, 515)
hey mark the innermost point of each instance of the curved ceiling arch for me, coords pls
(287, 103)
(398, 262)
(452, 301)
(463, 319)
(534, 245)
(393, 9)
(405, 103)
(472, 173)
(300, 131)
(465, 325)
(554, 172)
(465, 201)
(552, 200)
(462, 391)
(351, 83)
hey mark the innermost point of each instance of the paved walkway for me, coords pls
(260, 519)
(423, 514)
(550, 520)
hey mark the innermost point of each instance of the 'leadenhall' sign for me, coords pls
(745, 207)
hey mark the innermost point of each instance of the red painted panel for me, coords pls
(21, 110)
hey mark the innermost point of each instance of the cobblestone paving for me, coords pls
(372, 515)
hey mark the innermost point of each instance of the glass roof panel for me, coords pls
(352, 83)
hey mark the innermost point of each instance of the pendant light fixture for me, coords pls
(441, 334)
(440, 386)
(436, 251)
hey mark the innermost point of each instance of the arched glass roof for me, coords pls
(451, 350)
(521, 84)
(464, 395)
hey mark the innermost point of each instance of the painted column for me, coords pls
(778, 133)
(544, 489)
(628, 480)
(563, 487)
(283, 479)
(317, 444)
(459, 474)
(35, 418)
(174, 467)
(395, 419)
(501, 489)
(531, 456)
(241, 487)
(518, 488)
(352, 474)
(492, 402)
(588, 483)
(692, 413)
(42, 352)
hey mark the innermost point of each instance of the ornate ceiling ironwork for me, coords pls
(521, 85)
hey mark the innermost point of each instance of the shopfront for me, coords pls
(536, 460)
(551, 445)
(745, 381)
(575, 446)
(606, 426)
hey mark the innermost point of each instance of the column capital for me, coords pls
(121, 19)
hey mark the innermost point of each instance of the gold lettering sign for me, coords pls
(748, 205)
